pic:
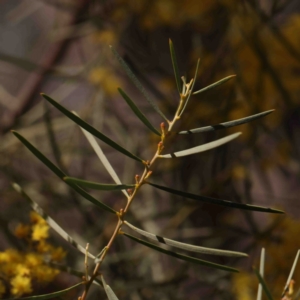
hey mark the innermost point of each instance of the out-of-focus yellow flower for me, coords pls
(43, 247)
(40, 231)
(44, 273)
(2, 289)
(4, 257)
(20, 285)
(22, 270)
(239, 172)
(57, 254)
(10, 256)
(166, 85)
(106, 37)
(22, 231)
(36, 218)
(242, 285)
(104, 78)
(33, 260)
(8, 260)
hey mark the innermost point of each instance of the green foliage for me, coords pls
(52, 295)
(132, 189)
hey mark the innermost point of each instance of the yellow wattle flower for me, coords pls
(20, 285)
(40, 232)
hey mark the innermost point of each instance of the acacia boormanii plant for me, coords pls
(131, 191)
(288, 289)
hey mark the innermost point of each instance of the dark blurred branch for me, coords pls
(272, 72)
(268, 21)
(35, 80)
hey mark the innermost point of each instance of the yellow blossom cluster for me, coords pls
(21, 271)
(242, 286)
(105, 79)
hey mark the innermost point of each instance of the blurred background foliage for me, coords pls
(60, 47)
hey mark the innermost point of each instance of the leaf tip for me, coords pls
(237, 134)
(16, 187)
(45, 96)
(15, 133)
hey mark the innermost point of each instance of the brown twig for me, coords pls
(140, 180)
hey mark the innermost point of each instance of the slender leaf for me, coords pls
(264, 285)
(90, 129)
(211, 86)
(291, 274)
(184, 246)
(52, 139)
(39, 155)
(193, 84)
(175, 65)
(202, 148)
(217, 201)
(87, 196)
(50, 296)
(109, 292)
(102, 157)
(98, 186)
(137, 83)
(67, 269)
(227, 124)
(181, 256)
(60, 173)
(261, 272)
(137, 112)
(51, 222)
(99, 257)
